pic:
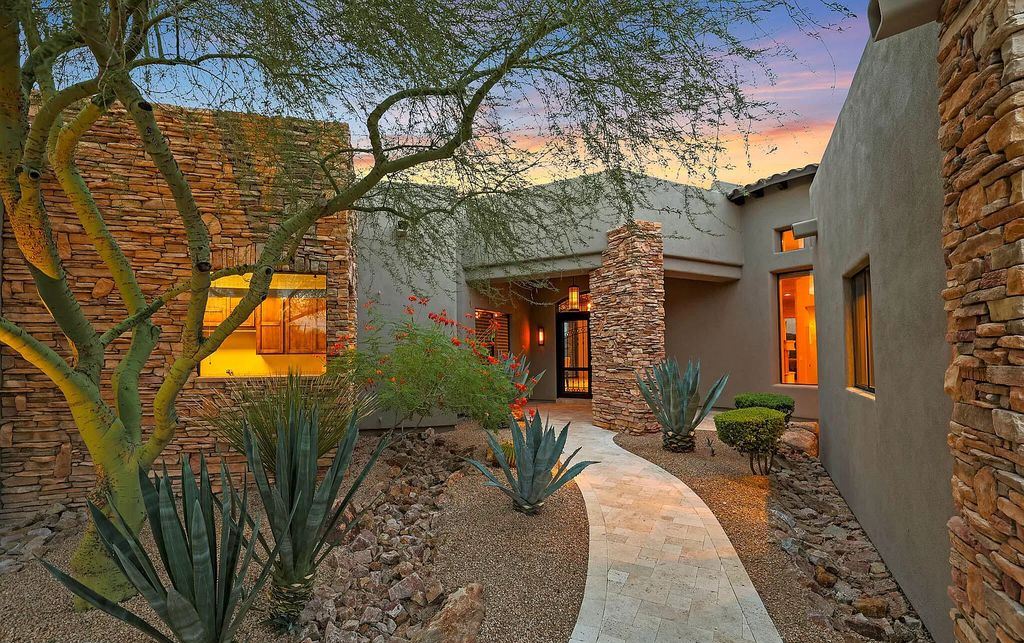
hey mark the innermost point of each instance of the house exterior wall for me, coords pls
(43, 459)
(885, 451)
(981, 131)
(704, 242)
(733, 327)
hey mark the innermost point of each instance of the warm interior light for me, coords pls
(540, 335)
(574, 297)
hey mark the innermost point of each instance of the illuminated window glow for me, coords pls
(787, 242)
(288, 331)
(797, 328)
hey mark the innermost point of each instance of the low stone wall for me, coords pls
(240, 189)
(627, 324)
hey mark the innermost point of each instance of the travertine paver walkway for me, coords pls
(661, 569)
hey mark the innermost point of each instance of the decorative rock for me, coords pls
(459, 620)
(871, 607)
(802, 440)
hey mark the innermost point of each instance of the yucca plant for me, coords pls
(306, 541)
(256, 404)
(674, 398)
(205, 600)
(538, 472)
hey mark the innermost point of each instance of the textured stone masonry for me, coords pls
(981, 107)
(627, 324)
(233, 174)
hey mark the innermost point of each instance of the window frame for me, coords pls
(251, 324)
(508, 327)
(780, 247)
(858, 380)
(779, 329)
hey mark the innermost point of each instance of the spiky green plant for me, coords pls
(306, 541)
(674, 398)
(256, 404)
(205, 601)
(538, 472)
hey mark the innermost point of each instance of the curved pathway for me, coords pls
(661, 568)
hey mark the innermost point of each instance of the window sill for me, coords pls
(868, 395)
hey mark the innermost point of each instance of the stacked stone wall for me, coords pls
(981, 106)
(627, 324)
(237, 171)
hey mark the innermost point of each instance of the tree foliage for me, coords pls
(478, 97)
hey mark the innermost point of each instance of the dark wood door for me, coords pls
(573, 344)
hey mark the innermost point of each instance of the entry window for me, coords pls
(798, 332)
(860, 317)
(493, 327)
(788, 242)
(288, 331)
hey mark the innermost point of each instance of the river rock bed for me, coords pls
(855, 592)
(31, 537)
(379, 587)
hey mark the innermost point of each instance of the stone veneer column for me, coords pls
(981, 106)
(627, 324)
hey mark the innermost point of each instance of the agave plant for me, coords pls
(255, 405)
(675, 401)
(538, 472)
(205, 600)
(306, 541)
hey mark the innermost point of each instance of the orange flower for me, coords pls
(412, 297)
(456, 341)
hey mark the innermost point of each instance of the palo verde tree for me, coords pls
(482, 97)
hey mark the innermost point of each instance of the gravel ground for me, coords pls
(38, 609)
(740, 502)
(533, 568)
(35, 608)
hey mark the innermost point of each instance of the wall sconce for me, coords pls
(540, 335)
(574, 297)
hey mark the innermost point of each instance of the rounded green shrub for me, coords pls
(783, 403)
(754, 431)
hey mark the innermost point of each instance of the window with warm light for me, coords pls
(788, 242)
(797, 329)
(494, 326)
(287, 332)
(863, 367)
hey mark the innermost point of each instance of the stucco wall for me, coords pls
(704, 241)
(878, 195)
(733, 327)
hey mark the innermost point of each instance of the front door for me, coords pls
(573, 354)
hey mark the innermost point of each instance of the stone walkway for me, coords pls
(661, 569)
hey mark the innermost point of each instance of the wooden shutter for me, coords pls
(216, 311)
(494, 326)
(306, 326)
(270, 326)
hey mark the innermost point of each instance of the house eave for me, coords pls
(890, 17)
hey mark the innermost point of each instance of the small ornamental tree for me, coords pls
(605, 89)
(418, 366)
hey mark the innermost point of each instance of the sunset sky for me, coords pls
(809, 91)
(810, 85)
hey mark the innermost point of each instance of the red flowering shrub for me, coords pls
(417, 368)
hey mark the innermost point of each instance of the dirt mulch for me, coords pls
(740, 502)
(533, 568)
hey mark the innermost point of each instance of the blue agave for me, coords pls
(538, 474)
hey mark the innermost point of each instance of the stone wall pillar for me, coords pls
(981, 107)
(627, 324)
